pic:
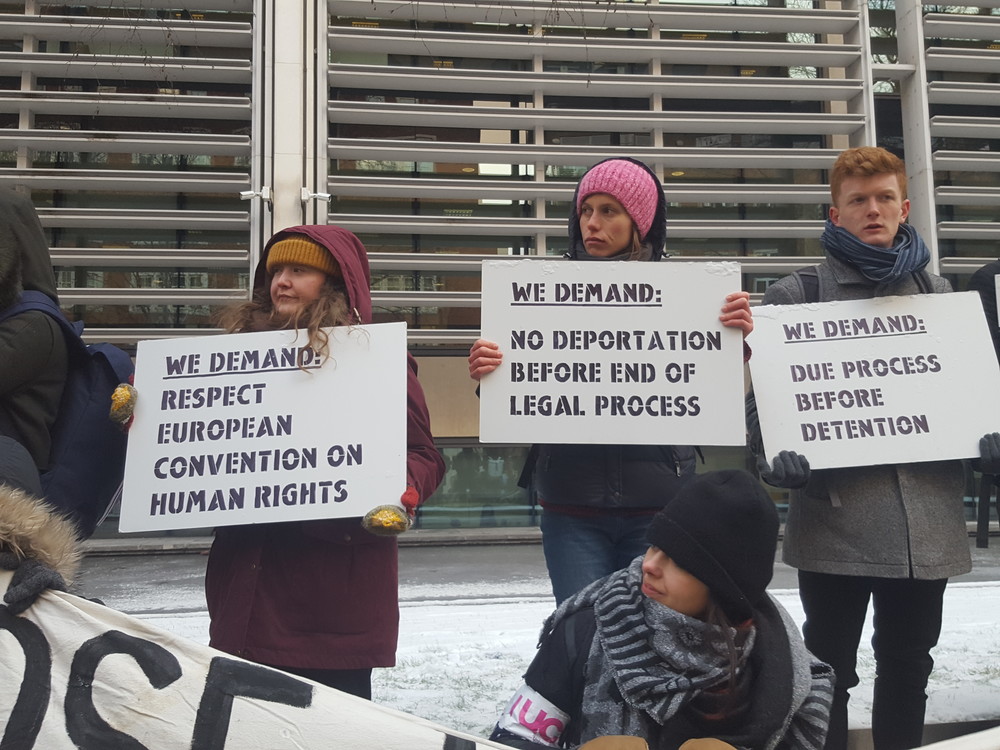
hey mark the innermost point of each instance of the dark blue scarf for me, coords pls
(879, 264)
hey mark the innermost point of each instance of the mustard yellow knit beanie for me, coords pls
(302, 251)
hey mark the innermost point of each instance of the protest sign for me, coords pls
(879, 381)
(81, 675)
(258, 427)
(626, 353)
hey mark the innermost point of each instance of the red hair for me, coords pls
(866, 161)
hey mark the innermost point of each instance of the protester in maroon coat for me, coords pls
(315, 598)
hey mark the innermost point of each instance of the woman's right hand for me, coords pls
(484, 358)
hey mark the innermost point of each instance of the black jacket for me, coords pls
(33, 356)
(610, 477)
(787, 695)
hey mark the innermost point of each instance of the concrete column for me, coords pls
(916, 124)
(285, 116)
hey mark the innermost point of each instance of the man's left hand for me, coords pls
(989, 453)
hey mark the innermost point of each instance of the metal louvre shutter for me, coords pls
(457, 131)
(962, 58)
(131, 127)
(447, 132)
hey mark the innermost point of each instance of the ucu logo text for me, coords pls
(542, 725)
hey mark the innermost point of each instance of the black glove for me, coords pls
(789, 470)
(989, 454)
(31, 577)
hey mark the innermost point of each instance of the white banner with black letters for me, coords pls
(611, 353)
(880, 381)
(258, 427)
(75, 674)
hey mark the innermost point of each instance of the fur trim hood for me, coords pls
(655, 240)
(30, 528)
(345, 248)
(23, 249)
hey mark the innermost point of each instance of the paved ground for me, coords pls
(165, 577)
(150, 580)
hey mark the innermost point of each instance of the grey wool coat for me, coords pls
(892, 521)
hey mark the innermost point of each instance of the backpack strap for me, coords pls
(33, 301)
(923, 281)
(808, 281)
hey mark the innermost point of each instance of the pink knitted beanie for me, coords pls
(629, 184)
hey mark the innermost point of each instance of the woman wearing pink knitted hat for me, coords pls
(597, 500)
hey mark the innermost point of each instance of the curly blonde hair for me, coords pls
(331, 308)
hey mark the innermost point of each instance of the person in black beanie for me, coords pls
(682, 644)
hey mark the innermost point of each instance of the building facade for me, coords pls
(163, 145)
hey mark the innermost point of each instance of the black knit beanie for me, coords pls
(722, 528)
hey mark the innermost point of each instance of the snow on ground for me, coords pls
(460, 657)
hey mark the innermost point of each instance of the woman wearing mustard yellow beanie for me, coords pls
(317, 598)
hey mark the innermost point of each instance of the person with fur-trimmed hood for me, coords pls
(35, 541)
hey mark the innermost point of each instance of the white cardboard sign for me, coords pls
(78, 674)
(880, 381)
(626, 353)
(232, 430)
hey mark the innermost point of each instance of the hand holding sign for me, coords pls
(392, 520)
(123, 405)
(484, 358)
(736, 313)
(788, 470)
(989, 453)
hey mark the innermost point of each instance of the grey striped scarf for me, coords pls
(656, 659)
(648, 662)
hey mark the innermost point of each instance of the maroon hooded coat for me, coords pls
(319, 594)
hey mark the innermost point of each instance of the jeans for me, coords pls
(581, 549)
(907, 623)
